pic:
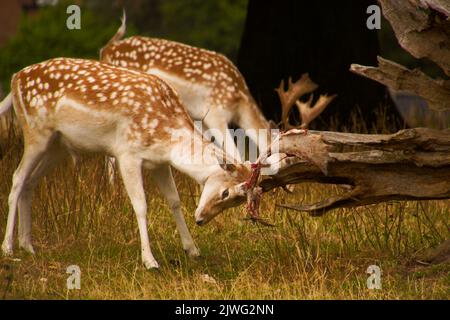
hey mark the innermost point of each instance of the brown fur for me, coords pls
(103, 88)
(190, 63)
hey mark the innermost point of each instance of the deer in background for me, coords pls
(66, 106)
(210, 86)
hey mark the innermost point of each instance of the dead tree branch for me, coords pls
(412, 164)
(395, 76)
(423, 29)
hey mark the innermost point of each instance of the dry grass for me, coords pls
(79, 219)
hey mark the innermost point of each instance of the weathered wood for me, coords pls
(412, 164)
(396, 76)
(423, 29)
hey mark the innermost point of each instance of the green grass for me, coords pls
(79, 219)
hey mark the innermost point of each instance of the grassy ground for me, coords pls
(78, 219)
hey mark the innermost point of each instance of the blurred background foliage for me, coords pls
(211, 24)
(216, 25)
(44, 35)
(41, 32)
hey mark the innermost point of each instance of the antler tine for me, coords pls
(283, 103)
(295, 90)
(309, 113)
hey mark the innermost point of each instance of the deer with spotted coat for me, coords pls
(66, 106)
(210, 86)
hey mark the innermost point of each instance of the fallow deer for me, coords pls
(210, 86)
(66, 106)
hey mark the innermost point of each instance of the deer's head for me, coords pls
(223, 189)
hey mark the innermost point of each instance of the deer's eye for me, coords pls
(225, 194)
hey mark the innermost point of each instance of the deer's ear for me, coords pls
(228, 167)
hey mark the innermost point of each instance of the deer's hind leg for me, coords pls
(52, 157)
(33, 153)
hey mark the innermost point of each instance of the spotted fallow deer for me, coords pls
(66, 106)
(210, 86)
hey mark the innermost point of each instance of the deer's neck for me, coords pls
(253, 116)
(196, 157)
(253, 121)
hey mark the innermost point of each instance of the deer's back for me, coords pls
(96, 99)
(191, 70)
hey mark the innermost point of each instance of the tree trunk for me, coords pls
(325, 39)
(423, 29)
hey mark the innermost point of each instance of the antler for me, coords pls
(309, 113)
(290, 97)
(295, 90)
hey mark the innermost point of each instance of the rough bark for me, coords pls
(412, 164)
(423, 29)
(397, 77)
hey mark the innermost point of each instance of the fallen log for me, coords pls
(412, 164)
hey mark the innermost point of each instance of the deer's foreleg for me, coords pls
(131, 171)
(164, 179)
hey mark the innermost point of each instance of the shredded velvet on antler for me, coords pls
(253, 190)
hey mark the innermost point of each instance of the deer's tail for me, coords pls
(119, 34)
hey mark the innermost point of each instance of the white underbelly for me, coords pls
(83, 129)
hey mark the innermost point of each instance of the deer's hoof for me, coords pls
(192, 252)
(28, 247)
(7, 249)
(151, 265)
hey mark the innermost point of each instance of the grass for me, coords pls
(79, 219)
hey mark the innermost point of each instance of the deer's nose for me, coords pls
(199, 222)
